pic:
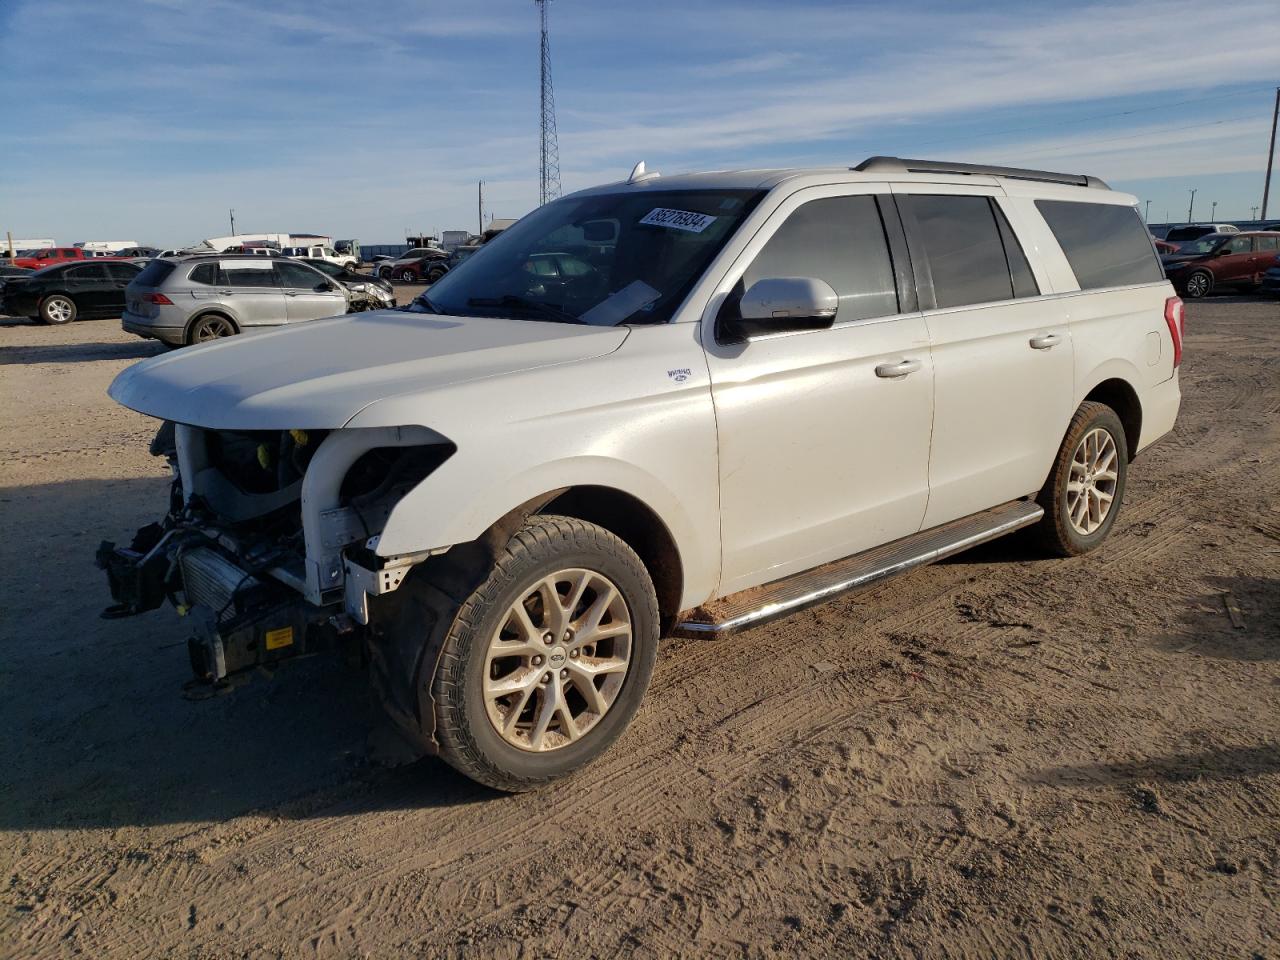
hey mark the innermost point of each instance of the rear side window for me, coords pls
(840, 240)
(1105, 243)
(87, 272)
(122, 271)
(209, 274)
(249, 274)
(1268, 244)
(966, 254)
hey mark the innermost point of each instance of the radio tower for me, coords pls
(549, 157)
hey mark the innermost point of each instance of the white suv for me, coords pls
(666, 406)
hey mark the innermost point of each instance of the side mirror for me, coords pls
(326, 286)
(780, 304)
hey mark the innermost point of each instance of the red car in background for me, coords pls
(51, 255)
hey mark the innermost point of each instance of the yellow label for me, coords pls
(279, 638)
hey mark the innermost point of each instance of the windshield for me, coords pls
(324, 266)
(1203, 245)
(602, 260)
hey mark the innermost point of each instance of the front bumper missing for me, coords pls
(237, 620)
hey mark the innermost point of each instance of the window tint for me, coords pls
(297, 276)
(209, 274)
(1240, 245)
(86, 271)
(1268, 244)
(1024, 282)
(248, 273)
(1105, 243)
(966, 255)
(155, 273)
(840, 240)
(122, 271)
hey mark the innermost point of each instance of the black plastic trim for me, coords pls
(899, 253)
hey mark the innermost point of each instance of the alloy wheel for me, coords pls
(58, 309)
(1091, 485)
(213, 328)
(558, 660)
(1198, 284)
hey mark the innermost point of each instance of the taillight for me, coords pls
(1174, 313)
(162, 300)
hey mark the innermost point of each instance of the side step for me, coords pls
(758, 605)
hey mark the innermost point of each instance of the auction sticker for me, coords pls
(678, 219)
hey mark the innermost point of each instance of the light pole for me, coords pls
(1213, 210)
(1146, 217)
(233, 221)
(1253, 213)
(1192, 205)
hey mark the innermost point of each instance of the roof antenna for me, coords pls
(638, 174)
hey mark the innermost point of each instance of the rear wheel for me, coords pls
(57, 309)
(435, 274)
(212, 326)
(1081, 498)
(406, 276)
(1198, 285)
(547, 660)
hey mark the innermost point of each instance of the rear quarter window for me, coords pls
(1106, 244)
(154, 273)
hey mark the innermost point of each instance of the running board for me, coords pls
(758, 605)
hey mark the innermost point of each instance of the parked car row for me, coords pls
(1218, 260)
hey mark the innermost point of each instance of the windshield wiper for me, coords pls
(544, 310)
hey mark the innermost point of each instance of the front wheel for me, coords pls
(57, 309)
(1198, 285)
(212, 326)
(548, 659)
(1082, 496)
(407, 276)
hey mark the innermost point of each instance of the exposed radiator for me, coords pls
(211, 580)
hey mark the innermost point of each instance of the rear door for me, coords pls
(307, 293)
(89, 286)
(120, 275)
(1002, 355)
(255, 297)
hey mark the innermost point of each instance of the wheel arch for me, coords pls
(635, 523)
(206, 312)
(1118, 394)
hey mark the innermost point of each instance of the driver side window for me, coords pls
(840, 240)
(1240, 245)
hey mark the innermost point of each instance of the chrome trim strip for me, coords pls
(770, 611)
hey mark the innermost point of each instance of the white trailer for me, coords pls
(106, 246)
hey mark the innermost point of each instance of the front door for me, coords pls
(307, 294)
(823, 434)
(1234, 261)
(1002, 356)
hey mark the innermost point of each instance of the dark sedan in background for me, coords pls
(69, 291)
(1221, 260)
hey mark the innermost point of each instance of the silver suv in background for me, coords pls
(194, 299)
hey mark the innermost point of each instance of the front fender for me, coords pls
(448, 508)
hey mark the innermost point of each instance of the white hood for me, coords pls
(320, 374)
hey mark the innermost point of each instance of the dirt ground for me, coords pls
(996, 756)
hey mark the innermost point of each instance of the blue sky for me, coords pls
(148, 119)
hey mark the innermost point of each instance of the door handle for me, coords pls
(290, 293)
(892, 371)
(1045, 341)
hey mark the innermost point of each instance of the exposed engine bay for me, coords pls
(266, 548)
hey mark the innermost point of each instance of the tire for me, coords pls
(211, 326)
(434, 276)
(58, 309)
(407, 276)
(467, 716)
(1197, 285)
(1066, 530)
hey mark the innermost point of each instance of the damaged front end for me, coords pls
(267, 550)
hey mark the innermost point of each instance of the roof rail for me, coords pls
(901, 165)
